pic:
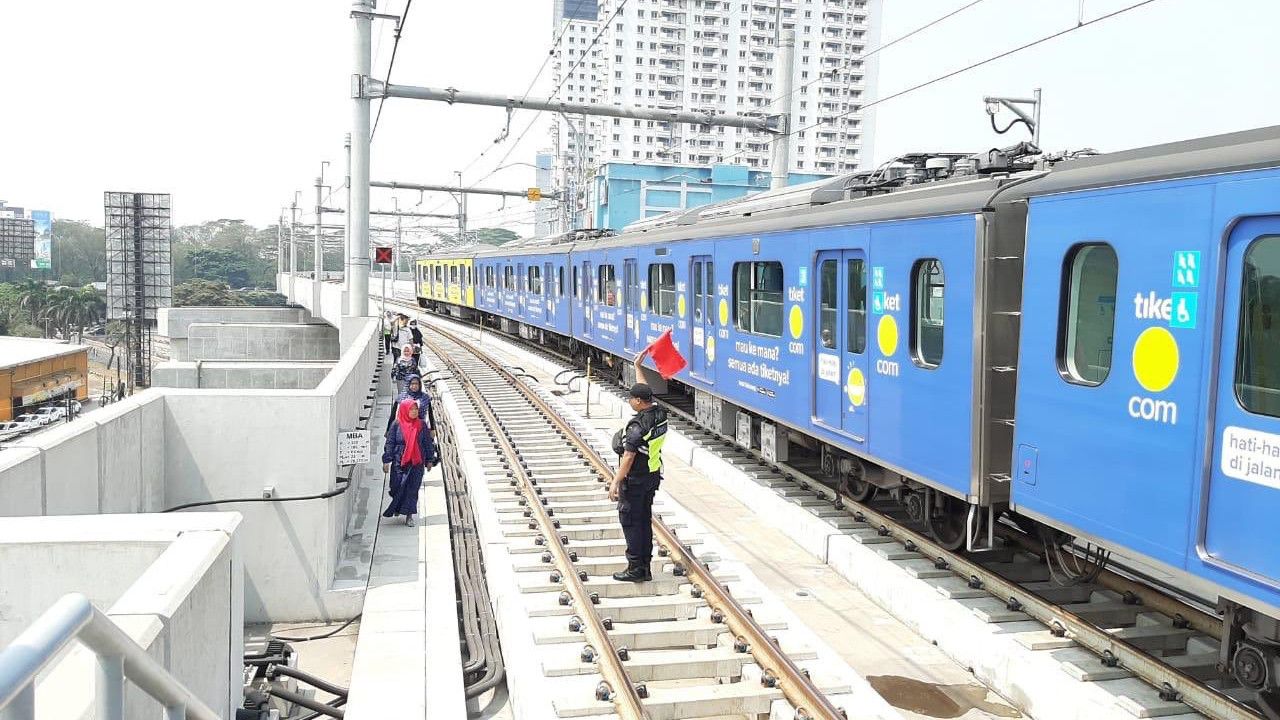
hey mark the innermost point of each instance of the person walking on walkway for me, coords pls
(405, 366)
(637, 479)
(388, 326)
(409, 452)
(414, 390)
(415, 333)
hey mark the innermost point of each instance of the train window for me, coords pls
(662, 289)
(829, 302)
(928, 291)
(576, 290)
(607, 287)
(1088, 314)
(757, 297)
(697, 291)
(560, 281)
(857, 314)
(1257, 381)
(535, 280)
(439, 273)
(508, 278)
(488, 276)
(453, 274)
(631, 282)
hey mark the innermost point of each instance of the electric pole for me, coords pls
(293, 247)
(782, 143)
(396, 260)
(462, 210)
(346, 235)
(280, 252)
(318, 260)
(358, 209)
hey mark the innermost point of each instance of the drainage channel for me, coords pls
(1157, 657)
(680, 646)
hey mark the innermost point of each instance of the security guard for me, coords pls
(637, 479)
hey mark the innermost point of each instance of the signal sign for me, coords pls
(534, 194)
(382, 255)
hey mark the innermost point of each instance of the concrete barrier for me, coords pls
(297, 375)
(170, 446)
(171, 582)
(261, 341)
(174, 323)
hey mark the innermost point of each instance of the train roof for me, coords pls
(850, 199)
(1217, 154)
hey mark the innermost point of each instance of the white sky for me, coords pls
(232, 105)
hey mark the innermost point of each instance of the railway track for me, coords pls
(1125, 629)
(683, 645)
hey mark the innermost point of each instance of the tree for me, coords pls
(33, 295)
(228, 266)
(204, 293)
(494, 236)
(74, 308)
(263, 298)
(79, 250)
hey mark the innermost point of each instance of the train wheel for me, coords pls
(855, 484)
(945, 523)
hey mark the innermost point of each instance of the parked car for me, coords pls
(34, 419)
(53, 412)
(13, 428)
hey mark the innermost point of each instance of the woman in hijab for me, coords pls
(409, 452)
(413, 389)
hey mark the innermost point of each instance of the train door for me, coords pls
(702, 360)
(1244, 484)
(588, 299)
(840, 382)
(631, 305)
(548, 291)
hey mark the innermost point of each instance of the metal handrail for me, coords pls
(73, 617)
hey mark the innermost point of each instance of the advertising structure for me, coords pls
(43, 222)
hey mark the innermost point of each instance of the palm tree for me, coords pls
(73, 308)
(33, 295)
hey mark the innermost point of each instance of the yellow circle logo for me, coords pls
(1155, 359)
(680, 305)
(796, 321)
(711, 349)
(724, 311)
(644, 300)
(887, 335)
(856, 386)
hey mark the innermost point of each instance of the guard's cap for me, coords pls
(642, 391)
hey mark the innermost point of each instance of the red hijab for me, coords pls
(409, 429)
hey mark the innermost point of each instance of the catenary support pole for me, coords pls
(346, 234)
(358, 210)
(781, 161)
(280, 253)
(317, 252)
(462, 210)
(293, 249)
(395, 276)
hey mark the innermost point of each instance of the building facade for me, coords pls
(33, 372)
(718, 56)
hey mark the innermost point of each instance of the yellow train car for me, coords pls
(448, 280)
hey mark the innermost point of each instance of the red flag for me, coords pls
(666, 356)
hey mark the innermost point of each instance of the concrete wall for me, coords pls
(105, 461)
(261, 341)
(174, 322)
(169, 446)
(247, 375)
(170, 582)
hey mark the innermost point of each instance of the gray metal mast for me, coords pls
(346, 234)
(781, 160)
(293, 245)
(279, 251)
(358, 209)
(318, 252)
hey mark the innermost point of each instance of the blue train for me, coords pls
(1089, 347)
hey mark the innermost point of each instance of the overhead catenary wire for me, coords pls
(395, 45)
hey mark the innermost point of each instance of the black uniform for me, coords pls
(644, 435)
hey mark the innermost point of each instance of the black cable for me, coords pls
(1008, 127)
(404, 16)
(306, 702)
(228, 501)
(306, 677)
(332, 703)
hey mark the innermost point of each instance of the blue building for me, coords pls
(623, 193)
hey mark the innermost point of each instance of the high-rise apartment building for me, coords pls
(576, 72)
(718, 56)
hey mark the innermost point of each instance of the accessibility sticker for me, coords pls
(1186, 268)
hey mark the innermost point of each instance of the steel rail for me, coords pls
(1151, 670)
(622, 691)
(1061, 622)
(776, 666)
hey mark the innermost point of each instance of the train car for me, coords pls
(948, 334)
(447, 280)
(528, 284)
(1148, 398)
